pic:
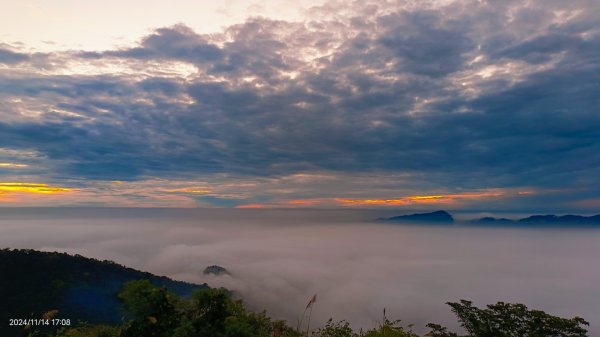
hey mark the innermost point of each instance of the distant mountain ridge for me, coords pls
(547, 219)
(80, 288)
(436, 217)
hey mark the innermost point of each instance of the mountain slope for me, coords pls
(80, 288)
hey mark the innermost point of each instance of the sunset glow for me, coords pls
(31, 188)
(191, 190)
(422, 199)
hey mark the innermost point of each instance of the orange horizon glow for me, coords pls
(252, 206)
(400, 201)
(302, 202)
(36, 188)
(191, 190)
(37, 193)
(421, 199)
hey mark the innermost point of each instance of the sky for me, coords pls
(488, 105)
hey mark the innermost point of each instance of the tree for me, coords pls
(439, 331)
(208, 311)
(510, 320)
(390, 329)
(153, 310)
(335, 329)
(89, 331)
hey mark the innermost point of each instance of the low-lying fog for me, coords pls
(279, 259)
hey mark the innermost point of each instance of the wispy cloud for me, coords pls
(13, 165)
(425, 199)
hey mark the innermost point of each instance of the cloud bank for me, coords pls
(279, 259)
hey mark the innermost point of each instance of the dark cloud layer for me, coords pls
(10, 57)
(468, 94)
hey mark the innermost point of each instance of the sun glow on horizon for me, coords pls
(421, 199)
(37, 188)
(442, 199)
(190, 190)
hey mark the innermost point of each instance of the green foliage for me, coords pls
(210, 312)
(439, 331)
(281, 329)
(511, 320)
(213, 312)
(152, 308)
(142, 299)
(390, 329)
(248, 324)
(90, 331)
(335, 329)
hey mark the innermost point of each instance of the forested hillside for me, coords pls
(80, 288)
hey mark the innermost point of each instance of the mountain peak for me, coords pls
(437, 217)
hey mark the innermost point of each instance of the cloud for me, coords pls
(424, 199)
(463, 95)
(10, 57)
(13, 165)
(177, 42)
(356, 267)
(31, 188)
(19, 191)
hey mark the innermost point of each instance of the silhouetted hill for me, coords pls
(215, 270)
(437, 217)
(492, 220)
(549, 219)
(80, 288)
(565, 219)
